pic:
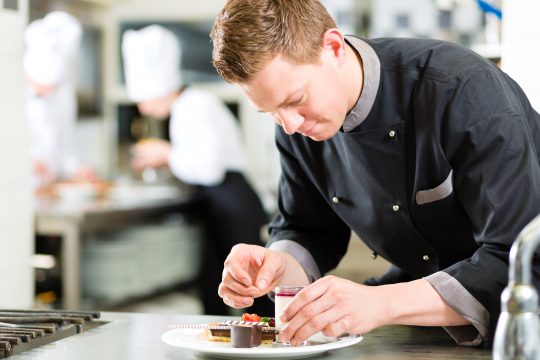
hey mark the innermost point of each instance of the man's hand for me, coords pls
(250, 271)
(334, 306)
(337, 306)
(152, 153)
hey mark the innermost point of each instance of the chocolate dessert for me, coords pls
(246, 336)
(222, 331)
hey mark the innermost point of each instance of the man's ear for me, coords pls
(334, 43)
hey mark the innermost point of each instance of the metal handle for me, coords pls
(517, 336)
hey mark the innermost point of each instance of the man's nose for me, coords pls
(289, 120)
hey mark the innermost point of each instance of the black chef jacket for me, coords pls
(438, 175)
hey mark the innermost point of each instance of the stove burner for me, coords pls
(23, 330)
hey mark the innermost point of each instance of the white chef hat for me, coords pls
(151, 62)
(51, 45)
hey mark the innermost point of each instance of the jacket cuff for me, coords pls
(301, 254)
(461, 300)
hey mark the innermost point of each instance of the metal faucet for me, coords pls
(517, 336)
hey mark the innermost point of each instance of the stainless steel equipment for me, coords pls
(518, 330)
(136, 336)
(23, 330)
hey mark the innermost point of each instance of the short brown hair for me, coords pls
(249, 33)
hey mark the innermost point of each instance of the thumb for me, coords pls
(271, 270)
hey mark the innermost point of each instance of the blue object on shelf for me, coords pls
(489, 8)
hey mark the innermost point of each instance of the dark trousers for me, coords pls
(232, 214)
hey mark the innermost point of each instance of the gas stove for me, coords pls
(23, 330)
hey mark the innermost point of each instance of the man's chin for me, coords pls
(317, 137)
(321, 136)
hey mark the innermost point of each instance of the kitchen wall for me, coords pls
(521, 46)
(16, 214)
(451, 20)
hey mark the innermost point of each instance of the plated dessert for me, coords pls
(251, 331)
(239, 339)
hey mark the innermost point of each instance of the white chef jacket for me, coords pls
(205, 139)
(51, 121)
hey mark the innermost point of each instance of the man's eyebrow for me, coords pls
(287, 99)
(290, 97)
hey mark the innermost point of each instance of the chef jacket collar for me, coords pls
(372, 73)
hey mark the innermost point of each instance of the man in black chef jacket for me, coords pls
(426, 150)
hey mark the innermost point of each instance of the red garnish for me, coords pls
(251, 317)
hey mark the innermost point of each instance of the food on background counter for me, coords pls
(74, 190)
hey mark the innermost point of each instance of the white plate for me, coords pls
(194, 339)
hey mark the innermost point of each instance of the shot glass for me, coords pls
(283, 296)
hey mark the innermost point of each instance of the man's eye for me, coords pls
(297, 101)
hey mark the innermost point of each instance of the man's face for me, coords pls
(309, 99)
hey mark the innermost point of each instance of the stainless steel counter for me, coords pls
(72, 219)
(138, 336)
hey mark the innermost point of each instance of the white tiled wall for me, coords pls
(521, 46)
(16, 232)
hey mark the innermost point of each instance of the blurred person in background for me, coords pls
(51, 46)
(205, 151)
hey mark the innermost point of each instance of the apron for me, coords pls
(232, 214)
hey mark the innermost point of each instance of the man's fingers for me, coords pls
(313, 317)
(316, 324)
(306, 296)
(236, 269)
(337, 328)
(234, 299)
(230, 282)
(270, 267)
(239, 272)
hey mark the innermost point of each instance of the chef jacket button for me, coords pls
(395, 207)
(425, 257)
(374, 255)
(335, 200)
(392, 133)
